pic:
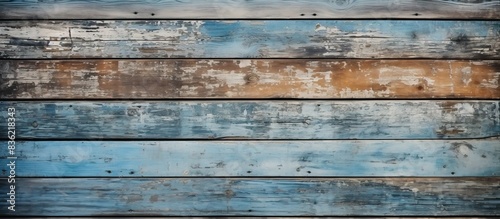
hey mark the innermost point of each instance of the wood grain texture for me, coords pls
(250, 39)
(182, 78)
(259, 9)
(255, 119)
(424, 158)
(260, 197)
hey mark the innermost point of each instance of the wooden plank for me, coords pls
(254, 119)
(416, 158)
(259, 9)
(259, 197)
(220, 78)
(250, 39)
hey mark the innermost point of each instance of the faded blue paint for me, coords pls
(414, 158)
(258, 39)
(256, 197)
(263, 120)
(229, 39)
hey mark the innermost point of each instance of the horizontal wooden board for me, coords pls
(255, 158)
(261, 197)
(259, 9)
(254, 119)
(250, 39)
(221, 78)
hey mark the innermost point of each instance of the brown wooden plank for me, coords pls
(260, 9)
(181, 78)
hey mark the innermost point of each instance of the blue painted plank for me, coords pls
(254, 119)
(250, 39)
(260, 9)
(434, 158)
(255, 197)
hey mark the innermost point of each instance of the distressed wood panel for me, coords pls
(181, 78)
(259, 9)
(256, 158)
(250, 39)
(255, 119)
(261, 197)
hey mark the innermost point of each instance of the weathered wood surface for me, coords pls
(261, 197)
(254, 119)
(250, 39)
(254, 9)
(182, 78)
(424, 158)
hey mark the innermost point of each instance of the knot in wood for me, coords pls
(132, 112)
(251, 78)
(342, 4)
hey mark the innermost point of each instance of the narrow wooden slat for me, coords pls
(260, 197)
(256, 158)
(181, 78)
(250, 39)
(260, 9)
(255, 119)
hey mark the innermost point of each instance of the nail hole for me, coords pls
(249, 171)
(249, 210)
(308, 171)
(135, 12)
(152, 14)
(131, 172)
(314, 14)
(416, 14)
(108, 171)
(452, 173)
(302, 14)
(70, 105)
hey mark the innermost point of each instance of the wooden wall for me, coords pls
(251, 107)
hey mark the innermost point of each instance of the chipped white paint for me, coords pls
(226, 79)
(406, 76)
(245, 39)
(244, 63)
(234, 9)
(466, 75)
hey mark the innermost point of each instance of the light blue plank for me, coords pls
(260, 9)
(250, 39)
(256, 197)
(254, 119)
(256, 158)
